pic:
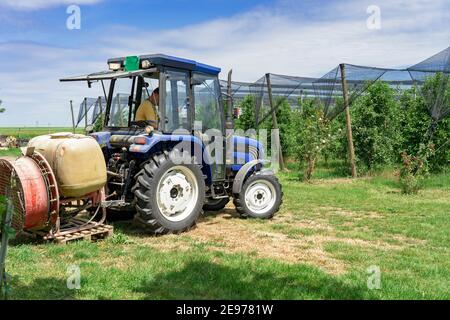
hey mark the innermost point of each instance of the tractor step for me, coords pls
(77, 229)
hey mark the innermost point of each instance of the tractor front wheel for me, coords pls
(169, 196)
(261, 197)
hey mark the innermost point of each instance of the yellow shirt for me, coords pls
(147, 112)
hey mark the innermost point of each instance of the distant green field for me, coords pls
(30, 132)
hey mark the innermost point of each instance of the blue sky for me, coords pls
(304, 38)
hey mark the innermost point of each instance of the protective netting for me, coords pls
(239, 90)
(440, 62)
(328, 88)
(93, 110)
(437, 94)
(292, 89)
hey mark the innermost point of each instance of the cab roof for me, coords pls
(174, 62)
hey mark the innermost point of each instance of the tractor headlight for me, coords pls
(145, 64)
(114, 66)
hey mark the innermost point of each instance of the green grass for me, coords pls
(10, 152)
(30, 132)
(331, 231)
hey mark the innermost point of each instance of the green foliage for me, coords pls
(417, 125)
(435, 94)
(1, 109)
(286, 129)
(208, 115)
(312, 135)
(119, 238)
(98, 125)
(415, 120)
(414, 169)
(338, 146)
(376, 127)
(386, 123)
(8, 229)
(2, 209)
(247, 119)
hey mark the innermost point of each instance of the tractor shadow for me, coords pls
(208, 280)
(131, 228)
(48, 288)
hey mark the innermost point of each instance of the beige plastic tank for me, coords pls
(76, 160)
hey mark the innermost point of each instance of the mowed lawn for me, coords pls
(320, 246)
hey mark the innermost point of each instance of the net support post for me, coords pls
(100, 107)
(275, 123)
(229, 114)
(348, 122)
(85, 115)
(73, 117)
(5, 226)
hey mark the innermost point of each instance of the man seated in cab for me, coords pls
(147, 110)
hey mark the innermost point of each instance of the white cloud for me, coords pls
(280, 42)
(42, 4)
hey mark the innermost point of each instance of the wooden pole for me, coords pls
(101, 111)
(85, 114)
(275, 122)
(229, 123)
(5, 226)
(73, 117)
(229, 101)
(348, 122)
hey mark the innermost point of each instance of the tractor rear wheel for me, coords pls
(261, 197)
(169, 196)
(215, 204)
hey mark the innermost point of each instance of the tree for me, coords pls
(312, 135)
(247, 119)
(376, 127)
(418, 129)
(285, 127)
(1, 109)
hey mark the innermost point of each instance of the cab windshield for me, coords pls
(127, 95)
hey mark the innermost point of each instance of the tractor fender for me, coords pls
(239, 179)
(158, 142)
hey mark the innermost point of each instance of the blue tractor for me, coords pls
(167, 171)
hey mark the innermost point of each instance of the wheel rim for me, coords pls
(260, 197)
(177, 193)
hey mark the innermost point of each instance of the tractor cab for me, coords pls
(189, 94)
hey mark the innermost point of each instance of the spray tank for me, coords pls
(57, 177)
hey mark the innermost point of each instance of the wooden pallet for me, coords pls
(81, 230)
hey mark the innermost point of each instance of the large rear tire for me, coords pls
(261, 197)
(169, 196)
